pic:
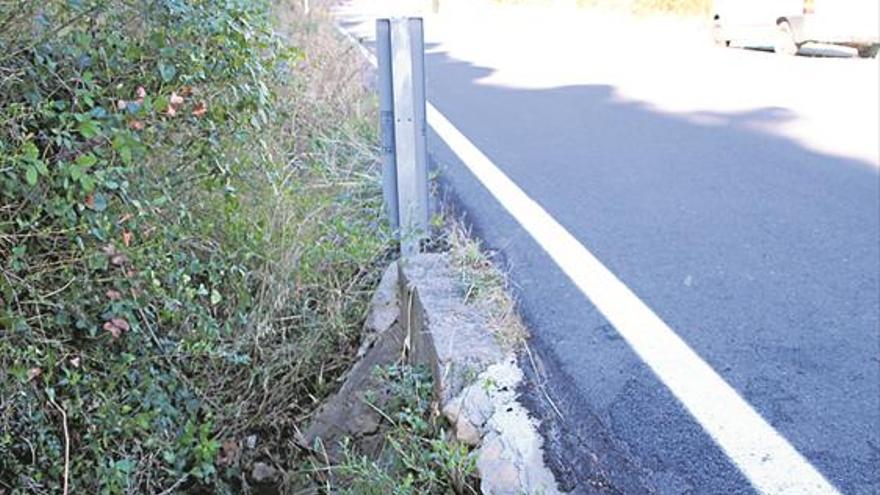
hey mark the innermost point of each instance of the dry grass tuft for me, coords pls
(486, 286)
(323, 218)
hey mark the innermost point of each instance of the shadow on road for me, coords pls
(763, 255)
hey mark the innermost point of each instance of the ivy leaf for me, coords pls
(30, 175)
(88, 129)
(87, 182)
(215, 297)
(86, 160)
(167, 71)
(30, 151)
(120, 144)
(122, 147)
(75, 172)
(100, 202)
(125, 154)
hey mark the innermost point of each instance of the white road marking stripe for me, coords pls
(357, 43)
(770, 463)
(767, 460)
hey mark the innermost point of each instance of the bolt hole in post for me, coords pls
(401, 56)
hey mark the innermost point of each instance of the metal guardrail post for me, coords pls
(406, 59)
(386, 121)
(417, 35)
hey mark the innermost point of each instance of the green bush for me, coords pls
(172, 277)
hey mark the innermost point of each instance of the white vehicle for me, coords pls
(788, 24)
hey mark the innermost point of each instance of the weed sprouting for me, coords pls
(486, 285)
(417, 457)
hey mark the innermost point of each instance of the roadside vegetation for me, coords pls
(418, 456)
(190, 229)
(485, 284)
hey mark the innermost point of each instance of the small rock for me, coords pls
(501, 478)
(466, 432)
(263, 473)
(469, 412)
(251, 442)
(477, 404)
(491, 450)
(510, 460)
(384, 309)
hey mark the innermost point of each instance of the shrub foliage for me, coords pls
(173, 279)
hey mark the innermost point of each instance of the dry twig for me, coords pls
(66, 444)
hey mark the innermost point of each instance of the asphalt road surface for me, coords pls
(734, 192)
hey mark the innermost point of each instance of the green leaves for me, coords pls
(31, 175)
(421, 459)
(86, 160)
(98, 202)
(125, 146)
(167, 71)
(88, 128)
(120, 211)
(30, 152)
(34, 167)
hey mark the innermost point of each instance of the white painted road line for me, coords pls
(764, 457)
(368, 55)
(769, 462)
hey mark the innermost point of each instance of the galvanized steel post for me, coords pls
(386, 121)
(406, 59)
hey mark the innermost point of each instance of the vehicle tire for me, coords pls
(784, 42)
(869, 51)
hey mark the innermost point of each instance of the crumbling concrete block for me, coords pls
(442, 331)
(418, 311)
(510, 457)
(347, 414)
